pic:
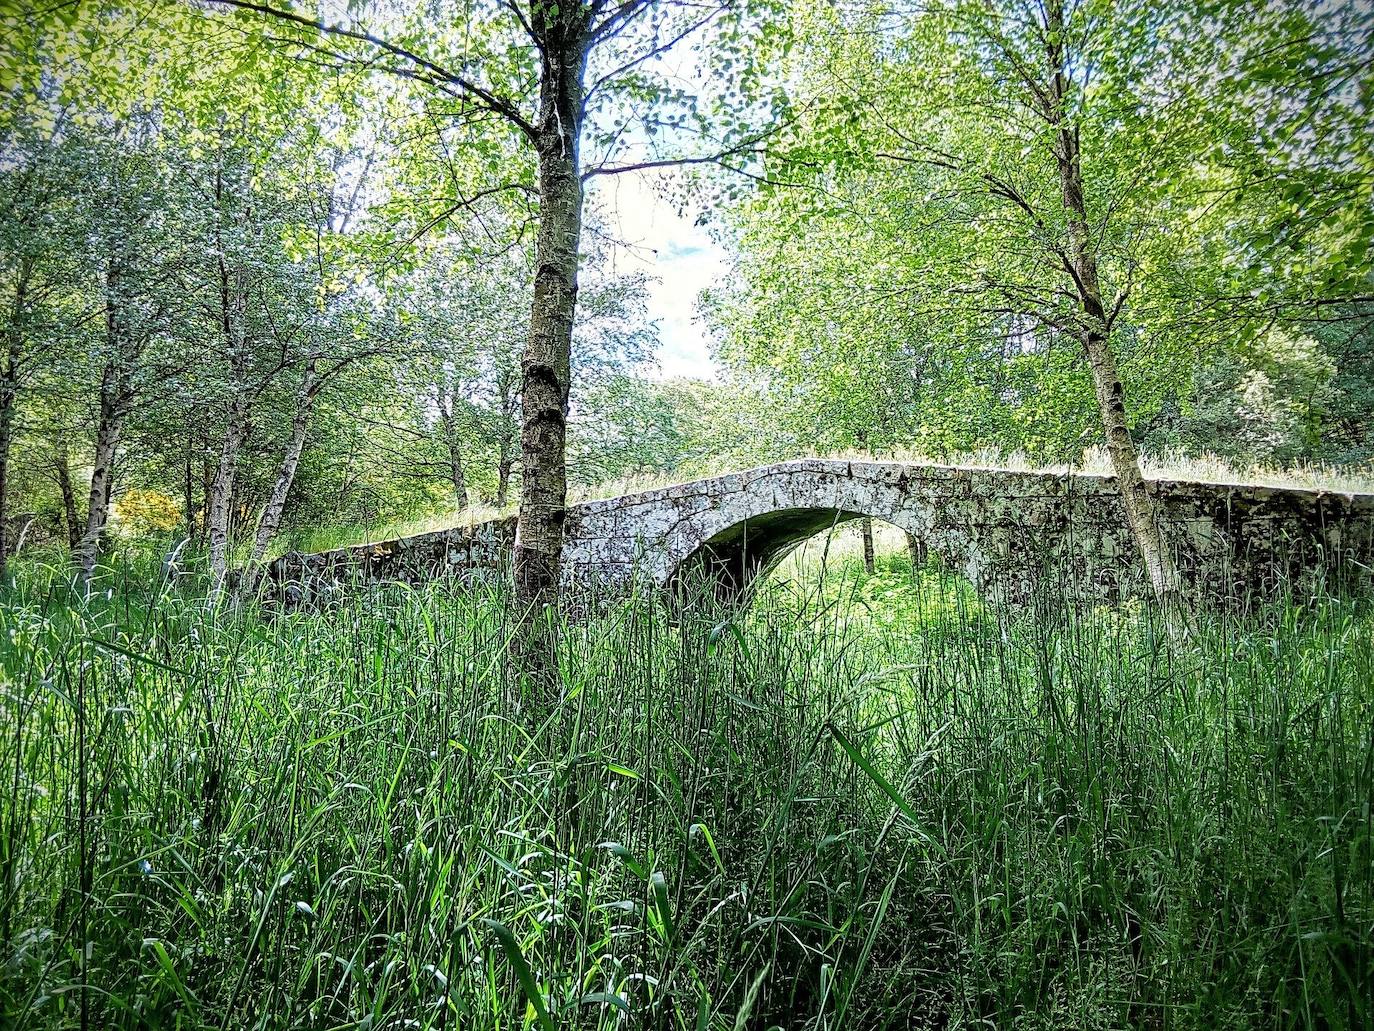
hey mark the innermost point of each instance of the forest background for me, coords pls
(262, 289)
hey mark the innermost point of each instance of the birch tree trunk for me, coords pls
(545, 366)
(1143, 510)
(116, 394)
(63, 471)
(220, 504)
(452, 444)
(455, 473)
(270, 522)
(107, 432)
(219, 499)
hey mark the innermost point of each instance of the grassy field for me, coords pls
(866, 803)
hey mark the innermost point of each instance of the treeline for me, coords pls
(982, 213)
(232, 332)
(273, 271)
(321, 296)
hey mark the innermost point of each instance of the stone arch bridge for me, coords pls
(1010, 533)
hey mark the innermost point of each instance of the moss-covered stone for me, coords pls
(1010, 533)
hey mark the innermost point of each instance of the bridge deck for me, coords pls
(999, 526)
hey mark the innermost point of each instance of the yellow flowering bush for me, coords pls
(143, 511)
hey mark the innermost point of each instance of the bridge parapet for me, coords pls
(473, 552)
(1008, 532)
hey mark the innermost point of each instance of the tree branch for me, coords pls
(486, 98)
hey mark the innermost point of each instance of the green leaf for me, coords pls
(627, 857)
(883, 783)
(605, 999)
(705, 832)
(136, 656)
(164, 960)
(663, 907)
(522, 972)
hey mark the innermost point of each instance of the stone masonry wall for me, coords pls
(473, 553)
(1010, 533)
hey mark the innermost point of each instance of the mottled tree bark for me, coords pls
(219, 501)
(866, 533)
(545, 366)
(109, 426)
(116, 393)
(457, 474)
(1142, 507)
(219, 509)
(62, 470)
(270, 522)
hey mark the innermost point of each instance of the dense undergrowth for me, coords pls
(869, 806)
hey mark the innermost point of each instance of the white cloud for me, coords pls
(680, 256)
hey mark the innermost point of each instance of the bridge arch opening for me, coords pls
(872, 573)
(812, 553)
(858, 548)
(732, 562)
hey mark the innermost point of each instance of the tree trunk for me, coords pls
(456, 473)
(9, 399)
(7, 392)
(107, 432)
(286, 472)
(62, 469)
(866, 532)
(219, 500)
(1143, 510)
(220, 505)
(545, 366)
(502, 478)
(916, 548)
(118, 390)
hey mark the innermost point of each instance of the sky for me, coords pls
(681, 259)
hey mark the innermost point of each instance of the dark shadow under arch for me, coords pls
(732, 562)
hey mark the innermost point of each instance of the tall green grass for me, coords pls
(800, 817)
